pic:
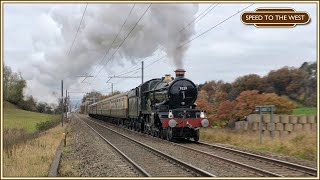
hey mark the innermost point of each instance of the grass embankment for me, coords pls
(34, 157)
(14, 117)
(28, 144)
(305, 111)
(69, 166)
(303, 146)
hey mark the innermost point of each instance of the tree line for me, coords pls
(13, 88)
(225, 101)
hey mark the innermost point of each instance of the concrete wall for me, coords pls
(283, 125)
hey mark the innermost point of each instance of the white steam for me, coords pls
(159, 29)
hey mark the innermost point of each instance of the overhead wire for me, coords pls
(201, 34)
(207, 12)
(195, 19)
(215, 26)
(122, 42)
(115, 38)
(74, 39)
(204, 32)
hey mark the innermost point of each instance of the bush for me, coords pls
(47, 124)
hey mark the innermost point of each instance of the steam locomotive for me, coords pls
(162, 107)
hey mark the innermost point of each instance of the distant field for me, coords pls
(14, 117)
(305, 111)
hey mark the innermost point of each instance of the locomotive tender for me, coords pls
(160, 107)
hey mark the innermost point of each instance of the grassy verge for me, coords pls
(13, 117)
(33, 157)
(68, 164)
(305, 111)
(303, 146)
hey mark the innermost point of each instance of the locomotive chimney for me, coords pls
(180, 73)
(167, 78)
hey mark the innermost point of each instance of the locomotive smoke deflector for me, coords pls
(180, 73)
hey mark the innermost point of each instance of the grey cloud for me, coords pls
(226, 52)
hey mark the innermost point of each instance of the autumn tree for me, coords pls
(203, 104)
(282, 78)
(309, 94)
(226, 110)
(13, 86)
(244, 83)
(246, 102)
(282, 104)
(91, 95)
(211, 88)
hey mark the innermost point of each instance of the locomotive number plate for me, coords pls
(183, 88)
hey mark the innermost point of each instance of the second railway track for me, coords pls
(260, 164)
(149, 161)
(278, 167)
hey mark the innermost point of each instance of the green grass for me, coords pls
(290, 145)
(305, 111)
(302, 109)
(13, 117)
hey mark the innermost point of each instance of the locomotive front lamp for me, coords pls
(205, 123)
(202, 114)
(170, 115)
(172, 123)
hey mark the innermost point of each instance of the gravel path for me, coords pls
(87, 155)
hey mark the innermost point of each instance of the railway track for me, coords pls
(254, 164)
(274, 167)
(148, 161)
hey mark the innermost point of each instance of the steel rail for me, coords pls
(140, 169)
(248, 167)
(297, 167)
(171, 158)
(292, 166)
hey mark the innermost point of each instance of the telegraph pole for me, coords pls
(62, 103)
(111, 88)
(142, 72)
(70, 108)
(66, 101)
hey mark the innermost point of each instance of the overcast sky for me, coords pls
(37, 38)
